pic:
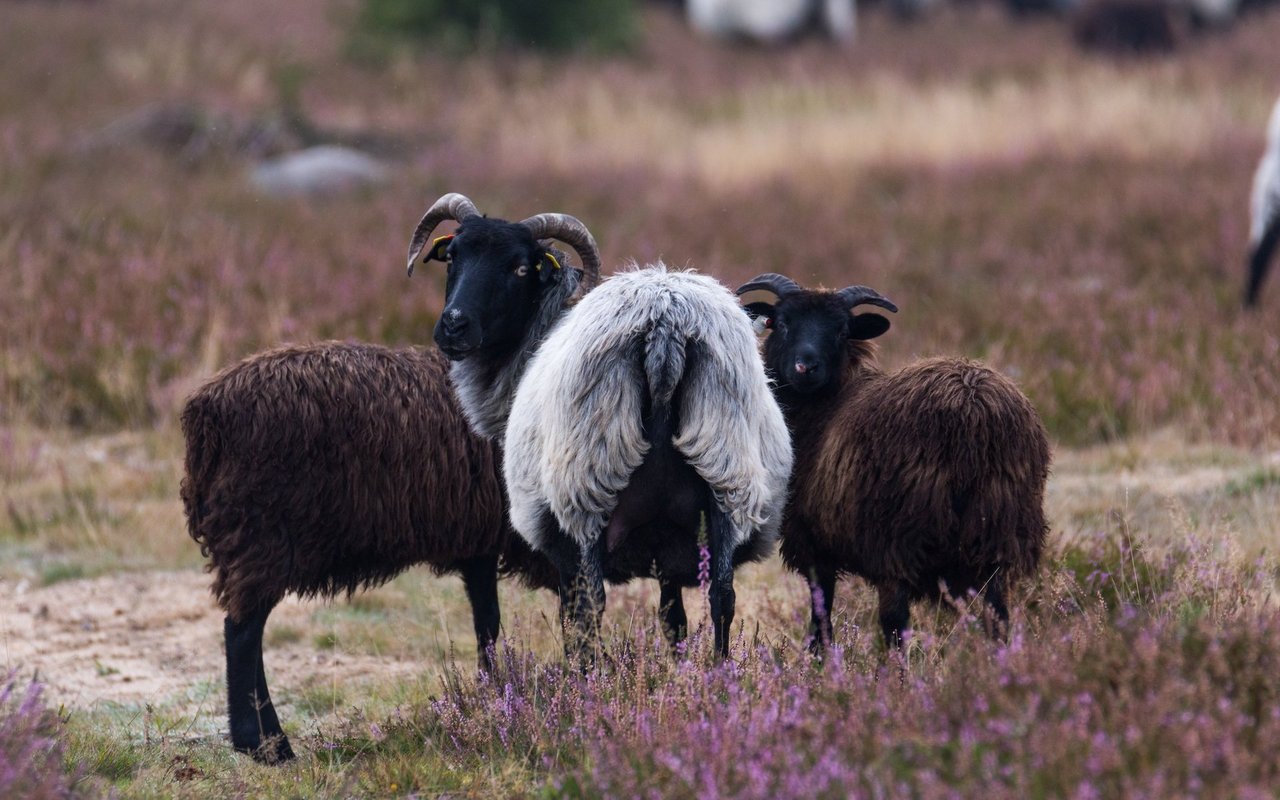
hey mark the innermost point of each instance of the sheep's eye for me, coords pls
(522, 270)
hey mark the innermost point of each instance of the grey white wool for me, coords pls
(650, 388)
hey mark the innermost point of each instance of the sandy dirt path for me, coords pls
(153, 637)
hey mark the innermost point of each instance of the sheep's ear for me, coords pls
(867, 326)
(549, 269)
(761, 314)
(436, 252)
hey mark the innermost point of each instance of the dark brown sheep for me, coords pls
(327, 468)
(925, 480)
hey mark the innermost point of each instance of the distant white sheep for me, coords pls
(1264, 211)
(772, 21)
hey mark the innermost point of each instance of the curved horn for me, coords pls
(857, 295)
(452, 206)
(572, 232)
(780, 285)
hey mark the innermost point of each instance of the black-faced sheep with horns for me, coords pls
(921, 480)
(326, 468)
(645, 410)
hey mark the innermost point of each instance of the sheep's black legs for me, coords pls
(996, 618)
(480, 577)
(581, 594)
(675, 625)
(588, 605)
(255, 728)
(720, 542)
(895, 611)
(1259, 260)
(822, 591)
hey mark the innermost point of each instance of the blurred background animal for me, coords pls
(1264, 211)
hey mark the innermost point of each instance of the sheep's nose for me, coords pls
(806, 363)
(454, 322)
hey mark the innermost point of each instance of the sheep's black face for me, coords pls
(496, 274)
(809, 340)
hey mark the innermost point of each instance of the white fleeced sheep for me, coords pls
(772, 21)
(1264, 210)
(646, 407)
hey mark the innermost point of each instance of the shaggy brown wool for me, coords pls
(933, 473)
(325, 468)
(927, 481)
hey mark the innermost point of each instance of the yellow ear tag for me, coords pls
(438, 246)
(551, 258)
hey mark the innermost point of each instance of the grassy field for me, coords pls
(1077, 222)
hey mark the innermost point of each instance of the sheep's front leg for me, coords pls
(480, 577)
(895, 611)
(255, 728)
(675, 624)
(582, 595)
(822, 591)
(723, 600)
(996, 618)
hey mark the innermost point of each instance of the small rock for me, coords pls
(326, 169)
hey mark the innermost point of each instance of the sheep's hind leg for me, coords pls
(582, 595)
(675, 624)
(895, 611)
(480, 577)
(822, 591)
(255, 728)
(722, 597)
(996, 618)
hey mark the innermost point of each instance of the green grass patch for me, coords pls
(61, 571)
(318, 700)
(282, 634)
(1255, 481)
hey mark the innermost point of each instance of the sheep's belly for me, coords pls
(656, 521)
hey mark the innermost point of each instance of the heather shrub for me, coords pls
(31, 750)
(459, 27)
(1162, 686)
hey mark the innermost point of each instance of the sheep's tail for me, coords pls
(1260, 260)
(725, 445)
(664, 362)
(733, 435)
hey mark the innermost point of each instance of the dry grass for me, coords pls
(775, 130)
